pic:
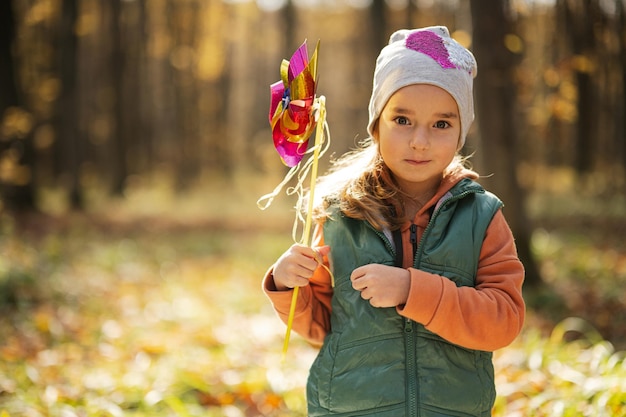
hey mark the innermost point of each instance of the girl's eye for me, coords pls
(442, 124)
(401, 120)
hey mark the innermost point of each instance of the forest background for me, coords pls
(134, 142)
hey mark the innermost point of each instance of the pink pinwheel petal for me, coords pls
(303, 85)
(277, 91)
(298, 61)
(291, 153)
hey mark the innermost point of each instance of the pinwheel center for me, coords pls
(286, 98)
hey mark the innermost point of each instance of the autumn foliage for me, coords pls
(152, 307)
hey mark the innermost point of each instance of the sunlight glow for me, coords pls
(271, 5)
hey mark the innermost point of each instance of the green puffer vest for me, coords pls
(376, 362)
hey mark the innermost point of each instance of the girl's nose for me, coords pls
(420, 139)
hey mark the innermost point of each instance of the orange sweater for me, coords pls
(485, 317)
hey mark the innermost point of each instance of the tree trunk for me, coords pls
(620, 131)
(579, 20)
(290, 23)
(8, 88)
(495, 99)
(243, 80)
(378, 25)
(69, 115)
(16, 189)
(118, 71)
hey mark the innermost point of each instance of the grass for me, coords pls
(151, 306)
(141, 323)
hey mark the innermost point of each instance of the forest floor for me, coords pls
(151, 306)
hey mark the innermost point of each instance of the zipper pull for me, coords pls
(414, 236)
(408, 326)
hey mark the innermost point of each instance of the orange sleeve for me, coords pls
(312, 314)
(486, 317)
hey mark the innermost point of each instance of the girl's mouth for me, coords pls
(417, 161)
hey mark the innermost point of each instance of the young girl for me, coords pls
(427, 279)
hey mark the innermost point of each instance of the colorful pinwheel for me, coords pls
(292, 115)
(295, 112)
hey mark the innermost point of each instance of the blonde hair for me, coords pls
(363, 187)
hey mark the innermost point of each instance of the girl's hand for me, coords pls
(382, 285)
(296, 266)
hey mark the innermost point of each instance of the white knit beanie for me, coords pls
(425, 56)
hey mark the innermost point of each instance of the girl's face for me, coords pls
(418, 132)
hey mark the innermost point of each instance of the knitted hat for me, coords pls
(425, 56)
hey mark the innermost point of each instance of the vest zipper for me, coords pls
(412, 395)
(384, 238)
(410, 339)
(412, 387)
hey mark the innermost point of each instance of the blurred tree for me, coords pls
(578, 19)
(184, 23)
(17, 162)
(497, 117)
(124, 103)
(289, 23)
(8, 86)
(378, 25)
(70, 146)
(620, 133)
(142, 149)
(212, 57)
(241, 106)
(160, 103)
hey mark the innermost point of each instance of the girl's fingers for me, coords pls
(357, 278)
(298, 264)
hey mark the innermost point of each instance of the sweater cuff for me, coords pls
(424, 297)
